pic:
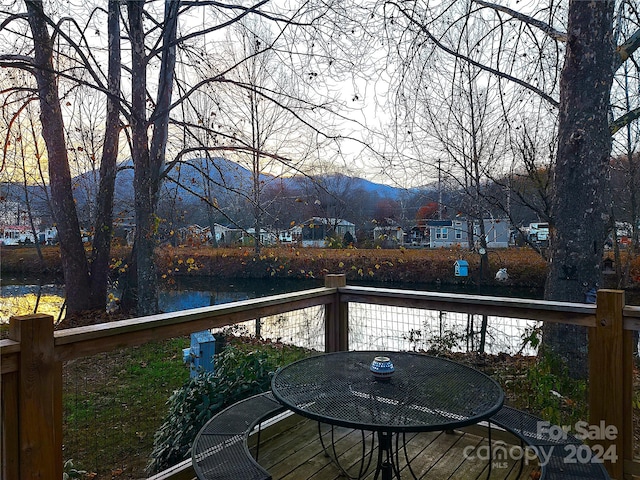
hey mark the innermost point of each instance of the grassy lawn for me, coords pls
(114, 402)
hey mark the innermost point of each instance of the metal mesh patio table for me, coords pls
(424, 394)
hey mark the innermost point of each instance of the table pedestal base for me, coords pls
(387, 464)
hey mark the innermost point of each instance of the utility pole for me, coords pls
(439, 191)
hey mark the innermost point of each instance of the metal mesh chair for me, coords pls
(548, 445)
(220, 449)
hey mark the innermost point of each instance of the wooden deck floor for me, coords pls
(290, 449)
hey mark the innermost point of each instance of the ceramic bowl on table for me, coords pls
(382, 368)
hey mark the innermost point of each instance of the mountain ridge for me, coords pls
(230, 182)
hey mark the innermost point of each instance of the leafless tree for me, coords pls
(564, 54)
(85, 283)
(68, 54)
(258, 101)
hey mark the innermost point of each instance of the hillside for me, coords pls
(227, 184)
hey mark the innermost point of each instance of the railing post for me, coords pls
(9, 467)
(39, 398)
(336, 317)
(628, 390)
(610, 381)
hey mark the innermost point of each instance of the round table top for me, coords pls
(424, 393)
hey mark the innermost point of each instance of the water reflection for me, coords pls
(181, 295)
(27, 299)
(371, 326)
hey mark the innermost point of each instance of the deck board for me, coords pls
(291, 450)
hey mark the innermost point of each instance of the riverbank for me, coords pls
(525, 267)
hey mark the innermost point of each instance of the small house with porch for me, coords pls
(316, 230)
(265, 238)
(449, 233)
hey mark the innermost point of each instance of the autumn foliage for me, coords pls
(525, 267)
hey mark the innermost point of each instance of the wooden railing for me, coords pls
(31, 359)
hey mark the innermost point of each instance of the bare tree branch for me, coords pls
(23, 62)
(628, 48)
(475, 63)
(244, 11)
(622, 53)
(624, 120)
(544, 27)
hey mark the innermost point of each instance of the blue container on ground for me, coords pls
(200, 355)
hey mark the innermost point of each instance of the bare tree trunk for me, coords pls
(146, 296)
(484, 253)
(149, 161)
(579, 198)
(101, 249)
(256, 145)
(73, 257)
(32, 225)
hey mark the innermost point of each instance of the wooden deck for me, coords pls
(290, 449)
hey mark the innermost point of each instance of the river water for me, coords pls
(371, 326)
(24, 297)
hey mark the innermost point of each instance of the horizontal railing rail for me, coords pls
(559, 312)
(603, 319)
(81, 341)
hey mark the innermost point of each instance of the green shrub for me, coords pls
(548, 390)
(240, 372)
(69, 472)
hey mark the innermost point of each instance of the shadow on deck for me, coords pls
(290, 449)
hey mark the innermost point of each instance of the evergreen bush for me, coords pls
(237, 375)
(240, 371)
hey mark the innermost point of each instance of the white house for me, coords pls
(226, 235)
(194, 235)
(266, 237)
(292, 235)
(48, 236)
